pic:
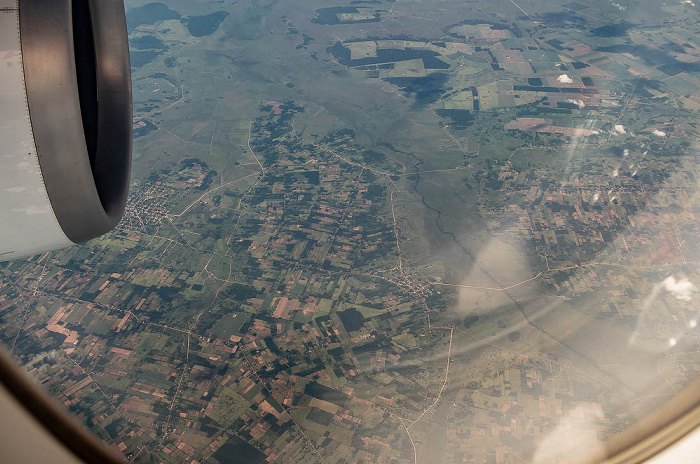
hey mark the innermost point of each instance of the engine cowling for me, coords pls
(65, 122)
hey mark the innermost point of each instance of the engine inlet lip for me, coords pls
(77, 74)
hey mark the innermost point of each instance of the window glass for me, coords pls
(385, 231)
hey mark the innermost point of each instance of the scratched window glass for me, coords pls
(385, 231)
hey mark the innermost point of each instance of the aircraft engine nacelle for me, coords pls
(65, 122)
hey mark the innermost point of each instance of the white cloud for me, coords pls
(576, 434)
(681, 290)
(659, 133)
(565, 79)
(625, 152)
(581, 105)
(619, 129)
